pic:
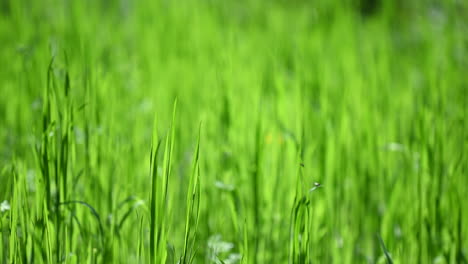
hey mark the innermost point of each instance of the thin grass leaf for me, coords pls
(384, 248)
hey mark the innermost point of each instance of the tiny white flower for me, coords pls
(316, 185)
(4, 206)
(224, 186)
(395, 146)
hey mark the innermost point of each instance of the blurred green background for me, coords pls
(367, 99)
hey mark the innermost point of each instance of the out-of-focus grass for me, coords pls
(330, 132)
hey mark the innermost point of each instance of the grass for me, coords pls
(276, 131)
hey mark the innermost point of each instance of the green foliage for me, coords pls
(333, 131)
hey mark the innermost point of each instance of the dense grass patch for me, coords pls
(233, 132)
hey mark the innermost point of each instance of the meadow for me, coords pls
(209, 131)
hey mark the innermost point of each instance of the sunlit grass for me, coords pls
(233, 132)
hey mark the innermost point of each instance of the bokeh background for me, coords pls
(331, 131)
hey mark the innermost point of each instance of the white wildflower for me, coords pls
(4, 206)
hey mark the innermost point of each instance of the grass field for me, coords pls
(233, 131)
